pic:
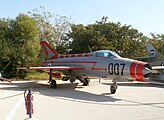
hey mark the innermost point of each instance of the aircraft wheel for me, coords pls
(113, 88)
(72, 80)
(85, 81)
(53, 84)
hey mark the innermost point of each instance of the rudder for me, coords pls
(49, 52)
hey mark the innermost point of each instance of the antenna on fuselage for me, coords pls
(89, 48)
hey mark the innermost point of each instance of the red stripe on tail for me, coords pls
(49, 52)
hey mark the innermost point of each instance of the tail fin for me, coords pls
(49, 52)
(153, 53)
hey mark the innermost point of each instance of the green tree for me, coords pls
(157, 40)
(124, 40)
(20, 44)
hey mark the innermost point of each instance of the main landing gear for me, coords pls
(51, 81)
(113, 88)
(53, 84)
(85, 81)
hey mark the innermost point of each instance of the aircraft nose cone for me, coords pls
(146, 72)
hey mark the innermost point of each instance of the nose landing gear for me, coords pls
(113, 88)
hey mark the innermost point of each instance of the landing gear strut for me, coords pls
(113, 88)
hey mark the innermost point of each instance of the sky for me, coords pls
(144, 15)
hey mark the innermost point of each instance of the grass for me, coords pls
(35, 75)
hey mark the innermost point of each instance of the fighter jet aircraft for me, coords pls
(100, 64)
(156, 60)
(154, 57)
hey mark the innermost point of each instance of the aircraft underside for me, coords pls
(85, 79)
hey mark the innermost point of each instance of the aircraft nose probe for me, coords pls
(147, 70)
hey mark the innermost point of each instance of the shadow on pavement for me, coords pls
(73, 92)
(65, 91)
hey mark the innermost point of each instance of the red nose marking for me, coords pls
(132, 69)
(139, 69)
(136, 70)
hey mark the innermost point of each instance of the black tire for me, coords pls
(53, 84)
(112, 89)
(85, 82)
(72, 80)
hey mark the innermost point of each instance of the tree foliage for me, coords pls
(19, 43)
(52, 28)
(157, 40)
(20, 37)
(123, 39)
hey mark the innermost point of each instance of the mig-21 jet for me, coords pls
(101, 64)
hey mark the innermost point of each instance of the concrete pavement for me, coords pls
(133, 100)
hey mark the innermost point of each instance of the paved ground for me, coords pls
(133, 101)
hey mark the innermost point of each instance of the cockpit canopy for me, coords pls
(105, 53)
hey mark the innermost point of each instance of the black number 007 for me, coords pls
(116, 68)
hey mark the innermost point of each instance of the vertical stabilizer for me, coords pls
(155, 58)
(49, 52)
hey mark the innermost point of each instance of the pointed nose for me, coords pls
(147, 70)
